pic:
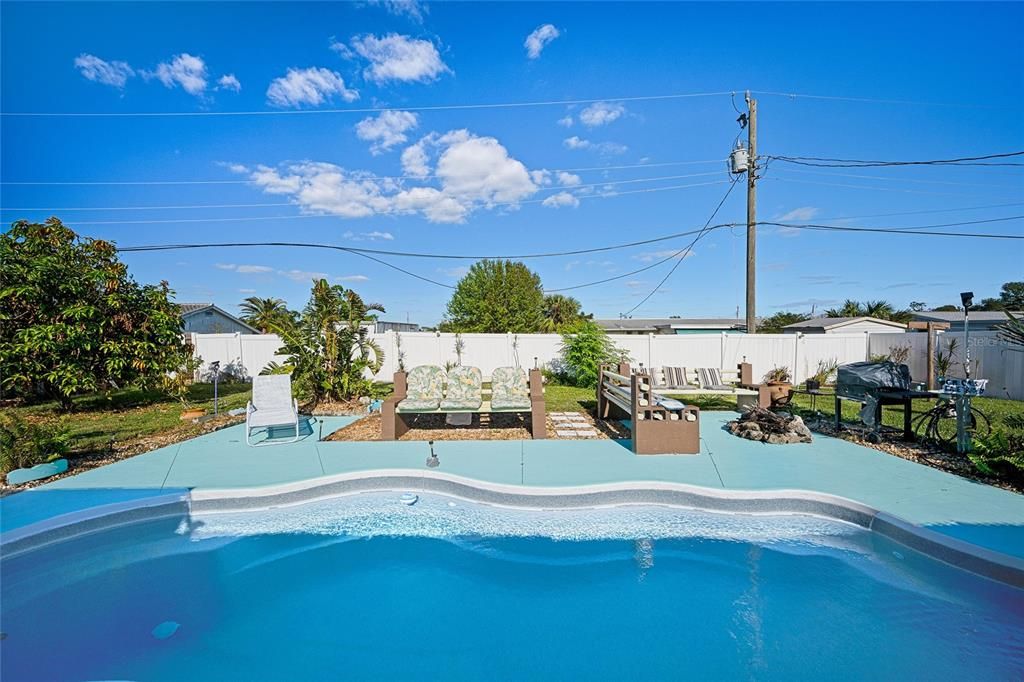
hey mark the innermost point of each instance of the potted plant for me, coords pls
(778, 382)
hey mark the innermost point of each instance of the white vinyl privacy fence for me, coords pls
(245, 355)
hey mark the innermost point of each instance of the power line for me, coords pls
(872, 100)
(847, 185)
(916, 230)
(686, 252)
(925, 211)
(199, 206)
(829, 174)
(363, 110)
(861, 163)
(298, 216)
(586, 169)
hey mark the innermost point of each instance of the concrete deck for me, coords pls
(969, 511)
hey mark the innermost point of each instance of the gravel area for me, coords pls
(484, 427)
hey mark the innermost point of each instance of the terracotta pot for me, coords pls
(189, 415)
(779, 390)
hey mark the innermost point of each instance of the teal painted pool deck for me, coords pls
(958, 507)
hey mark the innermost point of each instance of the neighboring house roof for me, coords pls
(640, 324)
(193, 308)
(829, 323)
(958, 316)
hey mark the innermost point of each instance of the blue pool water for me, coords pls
(367, 588)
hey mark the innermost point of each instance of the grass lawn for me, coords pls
(101, 421)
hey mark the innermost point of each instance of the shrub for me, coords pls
(1000, 453)
(777, 375)
(826, 368)
(25, 444)
(585, 347)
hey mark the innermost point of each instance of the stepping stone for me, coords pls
(565, 434)
(577, 418)
(576, 425)
(587, 434)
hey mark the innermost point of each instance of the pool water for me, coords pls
(367, 588)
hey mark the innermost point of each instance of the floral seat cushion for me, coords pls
(425, 389)
(465, 389)
(510, 389)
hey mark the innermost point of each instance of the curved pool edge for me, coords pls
(964, 555)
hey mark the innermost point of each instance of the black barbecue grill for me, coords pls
(874, 384)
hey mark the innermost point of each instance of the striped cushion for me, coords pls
(674, 376)
(710, 377)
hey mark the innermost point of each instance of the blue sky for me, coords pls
(507, 180)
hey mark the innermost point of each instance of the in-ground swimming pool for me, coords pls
(365, 587)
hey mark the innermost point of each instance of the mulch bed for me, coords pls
(922, 453)
(484, 427)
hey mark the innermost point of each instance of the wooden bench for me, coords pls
(393, 417)
(656, 430)
(741, 381)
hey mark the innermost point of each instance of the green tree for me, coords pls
(1011, 297)
(329, 349)
(496, 296)
(882, 310)
(585, 347)
(561, 312)
(265, 313)
(775, 323)
(73, 320)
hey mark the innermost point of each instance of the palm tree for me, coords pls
(328, 348)
(264, 313)
(560, 312)
(1012, 331)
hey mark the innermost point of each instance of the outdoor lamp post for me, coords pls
(215, 367)
(963, 400)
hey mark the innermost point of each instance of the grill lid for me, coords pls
(860, 379)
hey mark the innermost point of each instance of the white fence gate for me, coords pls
(245, 355)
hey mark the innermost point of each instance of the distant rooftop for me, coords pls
(833, 322)
(638, 324)
(958, 316)
(187, 308)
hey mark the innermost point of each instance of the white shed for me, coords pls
(844, 325)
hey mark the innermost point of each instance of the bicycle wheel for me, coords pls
(945, 426)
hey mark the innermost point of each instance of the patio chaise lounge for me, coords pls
(271, 405)
(659, 425)
(428, 389)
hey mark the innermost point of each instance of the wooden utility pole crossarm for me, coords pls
(751, 214)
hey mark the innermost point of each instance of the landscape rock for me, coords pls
(763, 425)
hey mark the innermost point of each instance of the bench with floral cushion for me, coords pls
(429, 389)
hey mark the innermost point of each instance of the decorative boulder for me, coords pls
(763, 425)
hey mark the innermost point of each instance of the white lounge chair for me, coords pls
(271, 405)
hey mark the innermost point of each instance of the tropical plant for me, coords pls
(777, 375)
(775, 323)
(826, 368)
(24, 444)
(329, 350)
(944, 359)
(176, 383)
(1000, 453)
(400, 353)
(460, 346)
(882, 310)
(73, 320)
(498, 297)
(265, 313)
(561, 312)
(585, 347)
(1012, 331)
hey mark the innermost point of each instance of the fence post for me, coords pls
(650, 350)
(796, 356)
(721, 352)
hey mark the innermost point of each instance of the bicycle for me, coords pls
(939, 423)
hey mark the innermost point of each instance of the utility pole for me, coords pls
(751, 214)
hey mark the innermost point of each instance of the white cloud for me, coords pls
(302, 275)
(539, 39)
(412, 9)
(471, 173)
(93, 68)
(568, 179)
(601, 113)
(312, 86)
(566, 121)
(245, 269)
(458, 272)
(576, 142)
(247, 291)
(386, 130)
(352, 278)
(395, 57)
(369, 236)
(185, 70)
(541, 176)
(651, 256)
(229, 82)
(634, 283)
(415, 161)
(561, 199)
(802, 213)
